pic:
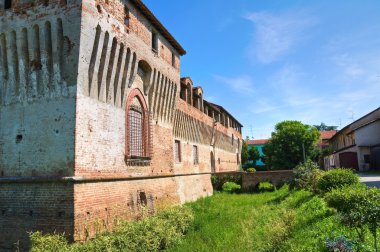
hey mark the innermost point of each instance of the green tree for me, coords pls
(253, 154)
(324, 127)
(285, 148)
(244, 153)
(249, 154)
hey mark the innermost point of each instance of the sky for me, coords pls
(270, 61)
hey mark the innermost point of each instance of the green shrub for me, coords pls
(359, 208)
(49, 243)
(214, 181)
(336, 178)
(231, 187)
(266, 187)
(306, 176)
(251, 170)
(218, 181)
(154, 233)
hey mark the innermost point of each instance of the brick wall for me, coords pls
(99, 205)
(32, 206)
(249, 181)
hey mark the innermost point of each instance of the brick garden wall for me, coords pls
(249, 181)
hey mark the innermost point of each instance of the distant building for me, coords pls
(259, 143)
(324, 138)
(357, 145)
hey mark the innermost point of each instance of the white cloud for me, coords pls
(241, 84)
(277, 34)
(348, 67)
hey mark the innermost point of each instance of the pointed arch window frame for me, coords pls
(145, 153)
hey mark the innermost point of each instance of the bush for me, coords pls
(231, 187)
(155, 233)
(251, 170)
(53, 242)
(359, 208)
(336, 178)
(218, 181)
(266, 187)
(306, 176)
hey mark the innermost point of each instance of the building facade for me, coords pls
(357, 145)
(95, 121)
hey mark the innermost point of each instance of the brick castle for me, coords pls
(96, 122)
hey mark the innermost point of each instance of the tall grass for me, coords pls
(273, 221)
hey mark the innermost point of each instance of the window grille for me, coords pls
(195, 155)
(136, 146)
(177, 151)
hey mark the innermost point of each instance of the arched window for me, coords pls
(137, 144)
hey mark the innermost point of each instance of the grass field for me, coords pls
(275, 221)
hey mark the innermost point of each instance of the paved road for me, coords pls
(370, 179)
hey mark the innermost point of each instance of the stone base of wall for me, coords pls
(81, 209)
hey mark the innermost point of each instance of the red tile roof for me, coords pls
(257, 141)
(325, 135)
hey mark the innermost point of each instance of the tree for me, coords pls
(249, 154)
(324, 127)
(287, 144)
(253, 154)
(244, 152)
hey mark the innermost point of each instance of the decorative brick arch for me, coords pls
(145, 127)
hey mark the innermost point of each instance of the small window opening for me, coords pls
(18, 138)
(143, 199)
(154, 42)
(7, 4)
(195, 155)
(177, 150)
(232, 141)
(173, 59)
(126, 16)
(99, 8)
(367, 159)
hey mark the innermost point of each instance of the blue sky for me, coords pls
(269, 61)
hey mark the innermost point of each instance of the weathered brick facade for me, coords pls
(95, 121)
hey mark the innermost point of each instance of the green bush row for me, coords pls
(155, 233)
(308, 176)
(357, 205)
